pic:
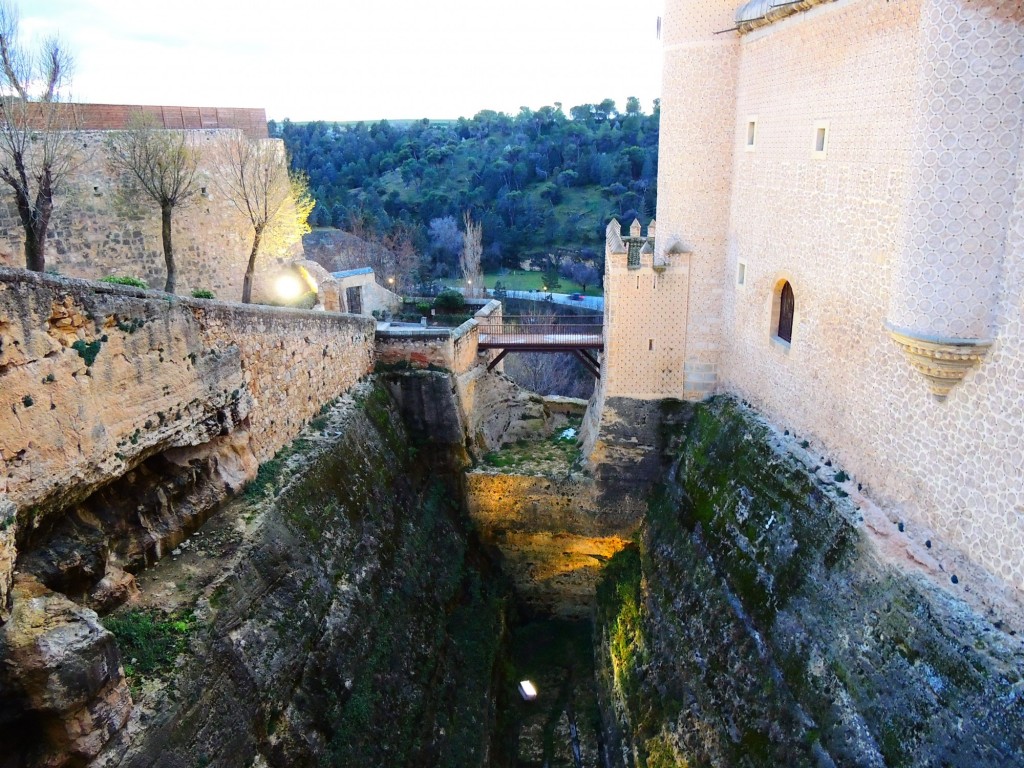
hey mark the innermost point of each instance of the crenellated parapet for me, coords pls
(636, 250)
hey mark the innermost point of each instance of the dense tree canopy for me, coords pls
(537, 182)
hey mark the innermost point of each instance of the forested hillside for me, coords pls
(540, 182)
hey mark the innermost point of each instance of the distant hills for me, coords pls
(540, 181)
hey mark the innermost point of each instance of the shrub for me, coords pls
(149, 641)
(202, 293)
(450, 301)
(125, 280)
(423, 307)
(305, 301)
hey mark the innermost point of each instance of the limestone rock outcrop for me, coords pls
(63, 692)
(497, 410)
(550, 534)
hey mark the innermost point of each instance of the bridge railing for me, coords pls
(543, 330)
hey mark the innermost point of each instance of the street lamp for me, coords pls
(288, 287)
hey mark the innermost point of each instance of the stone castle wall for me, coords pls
(95, 233)
(645, 346)
(914, 209)
(697, 119)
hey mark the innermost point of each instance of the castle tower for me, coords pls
(643, 355)
(966, 155)
(698, 119)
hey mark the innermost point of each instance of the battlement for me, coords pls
(635, 250)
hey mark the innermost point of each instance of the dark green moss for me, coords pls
(87, 350)
(757, 603)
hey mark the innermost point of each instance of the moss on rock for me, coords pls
(754, 626)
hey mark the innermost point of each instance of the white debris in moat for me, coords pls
(568, 434)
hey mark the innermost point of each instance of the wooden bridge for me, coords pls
(583, 336)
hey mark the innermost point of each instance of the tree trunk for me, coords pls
(172, 271)
(35, 227)
(35, 256)
(250, 269)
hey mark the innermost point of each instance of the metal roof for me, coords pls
(755, 13)
(352, 272)
(756, 9)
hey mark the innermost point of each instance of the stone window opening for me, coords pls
(786, 308)
(751, 136)
(819, 149)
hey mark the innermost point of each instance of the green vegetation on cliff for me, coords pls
(149, 641)
(754, 626)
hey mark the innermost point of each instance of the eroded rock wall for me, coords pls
(126, 416)
(97, 379)
(550, 535)
(760, 623)
(354, 626)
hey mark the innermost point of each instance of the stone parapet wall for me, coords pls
(426, 348)
(453, 349)
(95, 379)
(108, 117)
(94, 233)
(292, 361)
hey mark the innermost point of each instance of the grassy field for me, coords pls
(531, 281)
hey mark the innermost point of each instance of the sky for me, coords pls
(366, 60)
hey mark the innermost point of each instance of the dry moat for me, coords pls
(378, 592)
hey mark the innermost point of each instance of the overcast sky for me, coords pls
(361, 60)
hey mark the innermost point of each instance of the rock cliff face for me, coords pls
(354, 624)
(126, 416)
(758, 624)
(549, 534)
(64, 692)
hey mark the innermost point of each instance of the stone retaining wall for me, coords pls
(96, 378)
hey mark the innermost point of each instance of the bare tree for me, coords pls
(550, 373)
(402, 244)
(162, 165)
(253, 175)
(37, 147)
(472, 253)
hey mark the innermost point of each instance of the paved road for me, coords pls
(595, 303)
